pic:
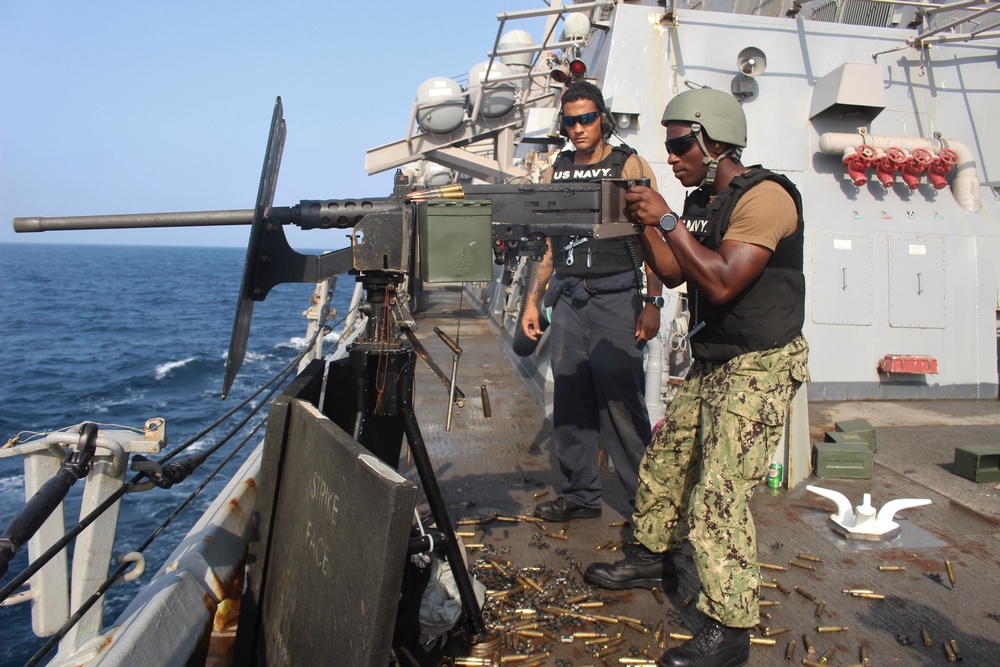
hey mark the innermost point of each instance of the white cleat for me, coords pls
(863, 522)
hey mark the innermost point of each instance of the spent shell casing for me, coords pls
(657, 595)
(557, 536)
(537, 634)
(587, 634)
(807, 645)
(622, 617)
(539, 494)
(954, 648)
(597, 641)
(514, 658)
(595, 604)
(831, 628)
(820, 608)
(856, 591)
(618, 524)
(803, 566)
(950, 653)
(809, 663)
(607, 650)
(638, 627)
(951, 572)
(768, 584)
(865, 661)
(825, 658)
(770, 566)
(768, 603)
(869, 596)
(658, 631)
(680, 636)
(790, 651)
(762, 641)
(892, 568)
(636, 661)
(687, 601)
(771, 632)
(577, 599)
(781, 587)
(804, 593)
(766, 615)
(808, 557)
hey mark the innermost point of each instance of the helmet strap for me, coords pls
(712, 162)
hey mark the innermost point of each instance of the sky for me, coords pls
(130, 107)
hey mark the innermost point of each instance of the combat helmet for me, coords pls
(716, 114)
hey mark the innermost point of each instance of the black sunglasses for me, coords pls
(679, 145)
(583, 119)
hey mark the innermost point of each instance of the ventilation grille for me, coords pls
(865, 12)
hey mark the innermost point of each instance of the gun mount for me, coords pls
(449, 234)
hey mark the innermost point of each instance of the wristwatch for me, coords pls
(668, 221)
(655, 300)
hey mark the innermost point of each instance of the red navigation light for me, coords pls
(577, 68)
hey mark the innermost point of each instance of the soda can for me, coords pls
(774, 476)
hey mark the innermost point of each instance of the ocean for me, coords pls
(117, 335)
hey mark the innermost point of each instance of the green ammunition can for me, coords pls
(774, 476)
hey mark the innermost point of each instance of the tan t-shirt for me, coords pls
(763, 216)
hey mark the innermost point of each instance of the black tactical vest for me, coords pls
(606, 256)
(770, 312)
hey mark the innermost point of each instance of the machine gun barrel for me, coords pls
(307, 214)
(135, 221)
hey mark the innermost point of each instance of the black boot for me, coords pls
(562, 509)
(715, 645)
(641, 568)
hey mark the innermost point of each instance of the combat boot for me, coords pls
(641, 568)
(715, 645)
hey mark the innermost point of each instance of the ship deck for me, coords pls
(493, 470)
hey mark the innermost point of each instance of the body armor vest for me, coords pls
(770, 312)
(594, 257)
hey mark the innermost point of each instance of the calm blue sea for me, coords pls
(117, 335)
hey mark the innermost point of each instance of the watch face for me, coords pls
(668, 222)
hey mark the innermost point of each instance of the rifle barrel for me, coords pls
(135, 221)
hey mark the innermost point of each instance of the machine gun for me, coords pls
(411, 232)
(450, 234)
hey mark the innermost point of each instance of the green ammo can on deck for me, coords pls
(846, 460)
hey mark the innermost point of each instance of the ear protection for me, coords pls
(582, 90)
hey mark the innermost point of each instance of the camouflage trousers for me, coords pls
(716, 442)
